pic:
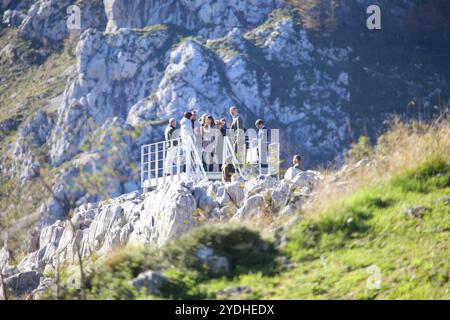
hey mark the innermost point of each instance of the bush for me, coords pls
(360, 150)
(244, 249)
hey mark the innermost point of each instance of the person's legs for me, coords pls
(170, 160)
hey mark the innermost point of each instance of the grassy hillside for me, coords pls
(27, 87)
(376, 230)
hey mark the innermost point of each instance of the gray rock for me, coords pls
(128, 219)
(416, 212)
(44, 286)
(235, 290)
(228, 212)
(253, 206)
(23, 283)
(235, 192)
(216, 264)
(280, 195)
(445, 200)
(13, 18)
(9, 271)
(4, 257)
(306, 179)
(151, 281)
(47, 19)
(204, 202)
(212, 19)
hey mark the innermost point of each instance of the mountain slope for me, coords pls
(308, 67)
(384, 237)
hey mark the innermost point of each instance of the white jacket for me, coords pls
(291, 173)
(186, 128)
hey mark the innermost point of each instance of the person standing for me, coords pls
(262, 143)
(187, 133)
(219, 145)
(224, 127)
(186, 126)
(210, 138)
(196, 128)
(238, 134)
(171, 135)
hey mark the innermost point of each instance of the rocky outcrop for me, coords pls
(207, 18)
(157, 217)
(46, 20)
(113, 73)
(23, 283)
(151, 282)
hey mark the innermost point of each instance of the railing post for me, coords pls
(164, 161)
(157, 165)
(179, 159)
(260, 155)
(142, 167)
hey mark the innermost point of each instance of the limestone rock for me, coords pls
(47, 19)
(208, 18)
(253, 206)
(151, 281)
(4, 257)
(236, 193)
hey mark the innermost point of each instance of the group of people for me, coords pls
(208, 138)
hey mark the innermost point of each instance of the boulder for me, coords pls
(416, 212)
(204, 202)
(280, 195)
(236, 192)
(151, 282)
(306, 179)
(228, 212)
(253, 206)
(259, 184)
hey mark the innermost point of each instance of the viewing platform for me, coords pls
(181, 160)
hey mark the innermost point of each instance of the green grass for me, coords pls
(333, 250)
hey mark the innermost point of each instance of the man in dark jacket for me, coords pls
(169, 133)
(238, 134)
(262, 143)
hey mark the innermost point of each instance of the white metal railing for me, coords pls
(167, 161)
(179, 160)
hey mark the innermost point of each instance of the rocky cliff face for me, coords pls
(210, 19)
(139, 63)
